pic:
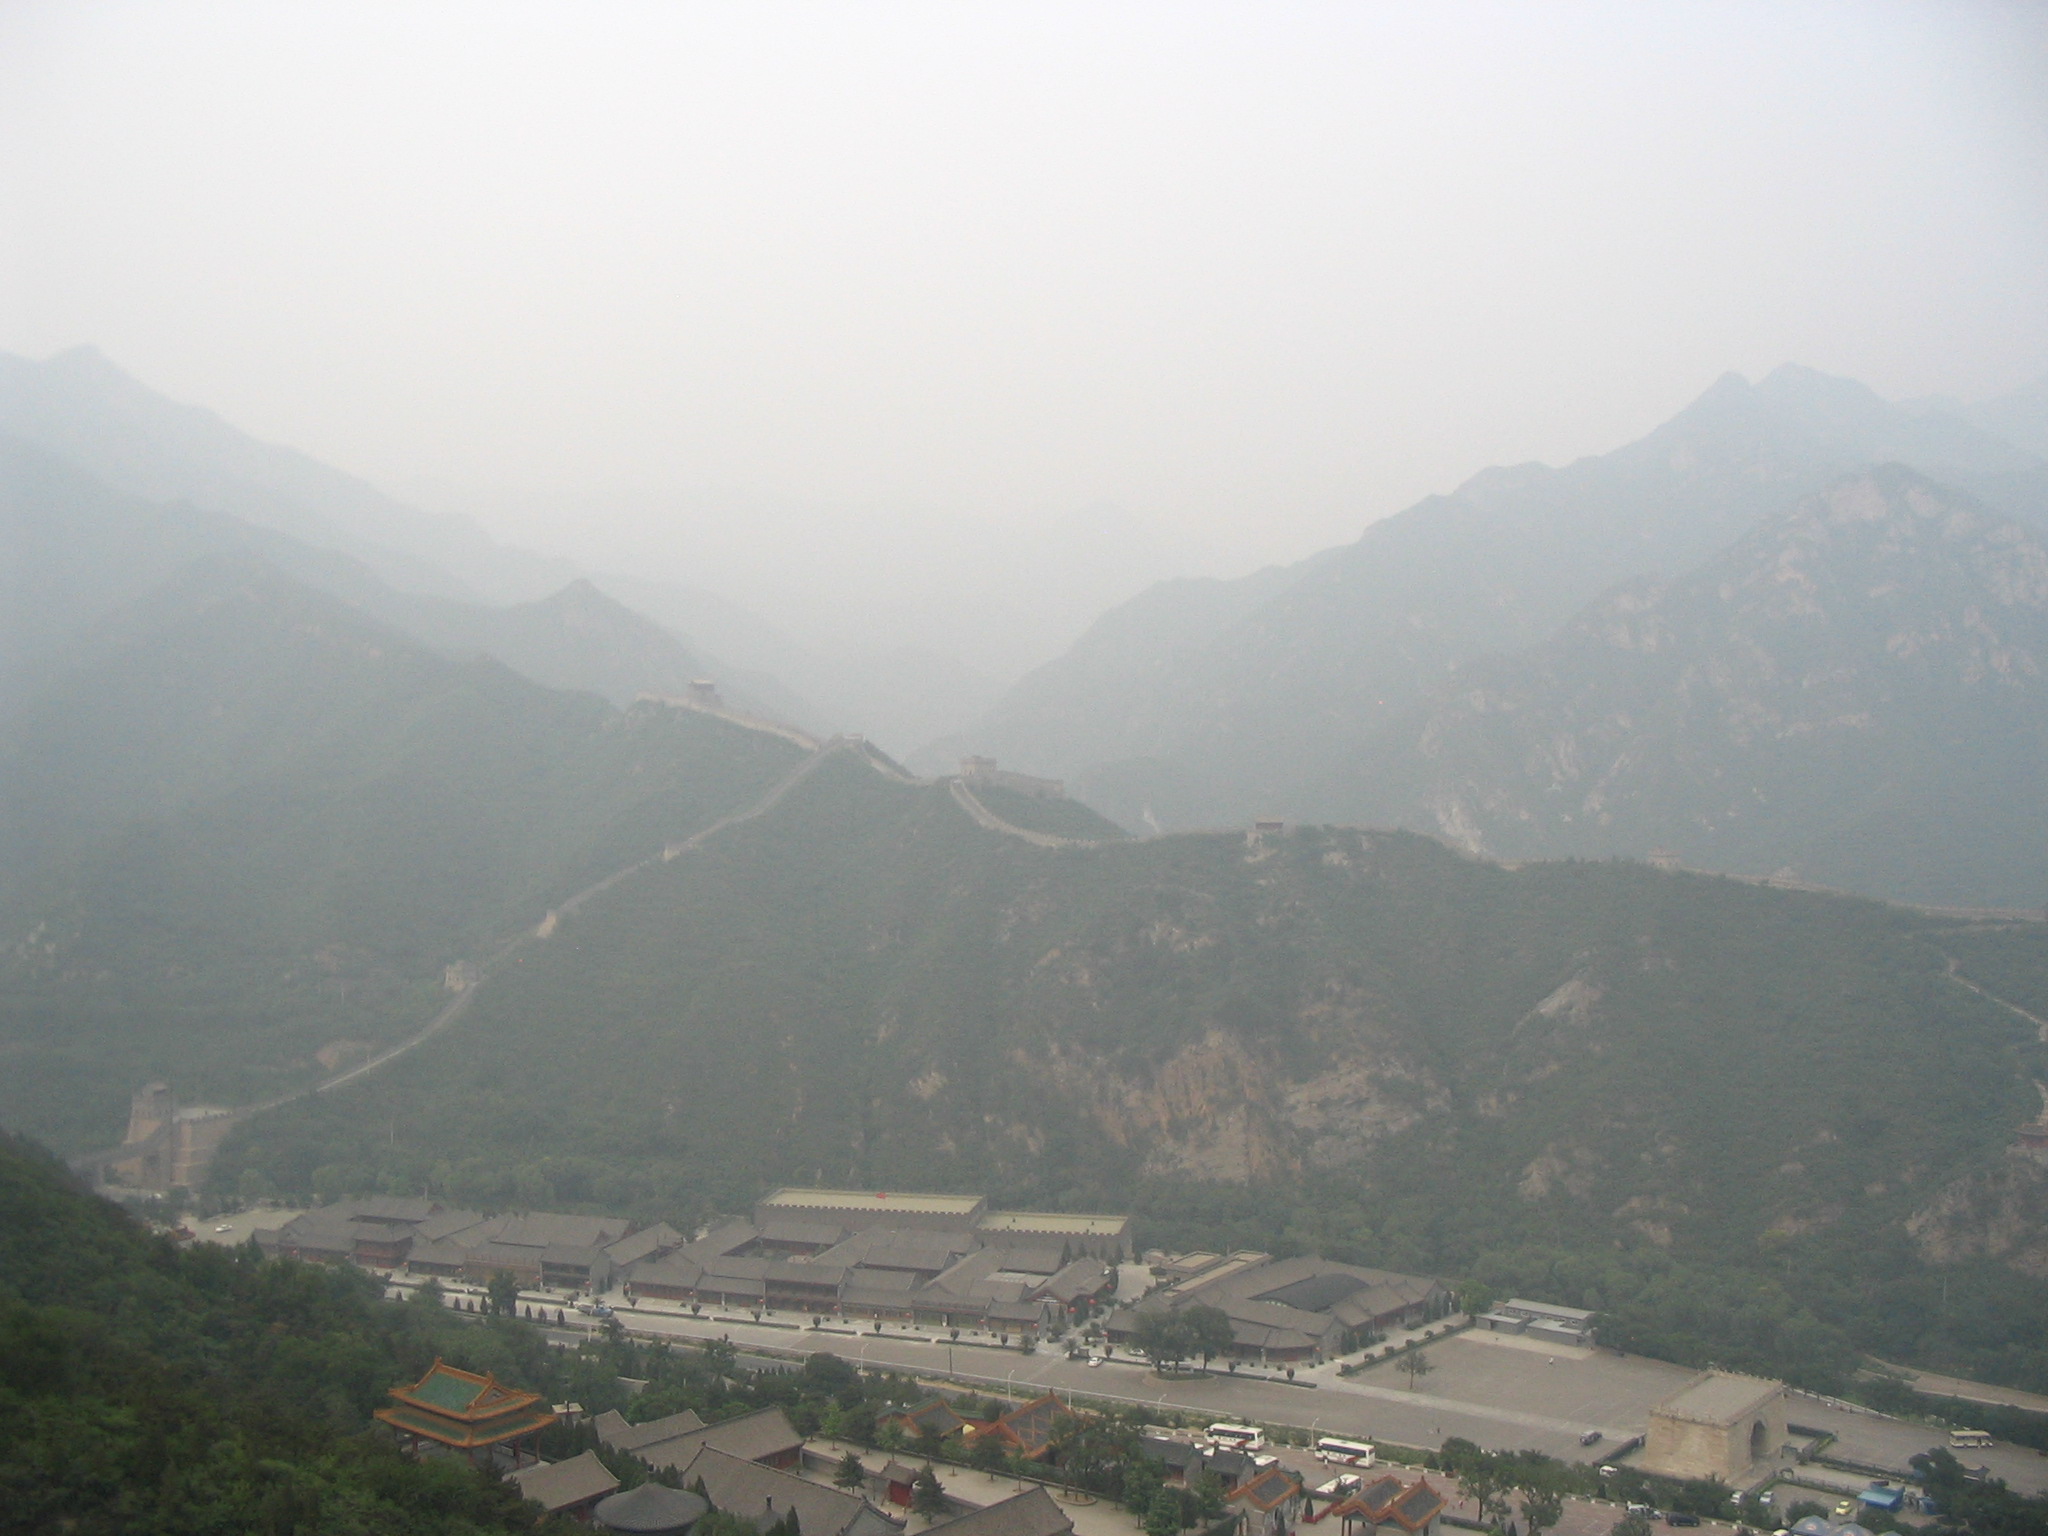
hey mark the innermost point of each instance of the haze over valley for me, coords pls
(1406, 658)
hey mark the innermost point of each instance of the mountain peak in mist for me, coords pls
(1795, 404)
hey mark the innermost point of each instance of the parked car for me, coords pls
(1095, 1359)
(225, 1227)
(1647, 1511)
(1675, 1518)
(1591, 1437)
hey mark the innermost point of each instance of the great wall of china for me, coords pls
(169, 1147)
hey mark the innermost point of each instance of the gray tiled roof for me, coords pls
(918, 1250)
(797, 1272)
(968, 1274)
(1419, 1505)
(750, 1437)
(643, 1244)
(615, 1434)
(567, 1255)
(1032, 1513)
(446, 1224)
(725, 1267)
(1178, 1454)
(721, 1240)
(563, 1483)
(388, 1208)
(1038, 1260)
(812, 1234)
(1083, 1277)
(649, 1507)
(443, 1255)
(672, 1269)
(545, 1229)
(1269, 1489)
(743, 1487)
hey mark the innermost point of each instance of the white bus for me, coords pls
(1243, 1437)
(1970, 1438)
(1347, 1453)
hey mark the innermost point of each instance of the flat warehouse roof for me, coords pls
(1546, 1309)
(871, 1200)
(1052, 1221)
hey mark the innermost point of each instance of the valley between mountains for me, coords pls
(1344, 937)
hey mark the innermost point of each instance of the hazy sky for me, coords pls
(792, 294)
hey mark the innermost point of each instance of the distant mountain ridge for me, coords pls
(81, 407)
(1209, 704)
(1858, 689)
(213, 487)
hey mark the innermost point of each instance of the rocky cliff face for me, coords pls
(1217, 1110)
(1858, 690)
(2001, 1214)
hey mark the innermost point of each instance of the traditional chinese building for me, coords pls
(468, 1413)
(1387, 1505)
(1029, 1430)
(1269, 1502)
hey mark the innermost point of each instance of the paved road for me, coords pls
(1970, 1391)
(1361, 1409)
(1502, 1394)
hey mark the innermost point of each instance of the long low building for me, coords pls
(1099, 1234)
(1540, 1320)
(1287, 1310)
(539, 1249)
(944, 1277)
(914, 1257)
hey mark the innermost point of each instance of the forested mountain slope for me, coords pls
(1391, 1051)
(149, 1390)
(1209, 703)
(1857, 690)
(250, 822)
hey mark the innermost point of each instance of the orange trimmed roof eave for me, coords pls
(492, 1399)
(460, 1435)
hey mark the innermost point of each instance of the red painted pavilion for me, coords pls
(466, 1412)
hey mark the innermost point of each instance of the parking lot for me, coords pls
(239, 1226)
(1875, 1441)
(1594, 1388)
